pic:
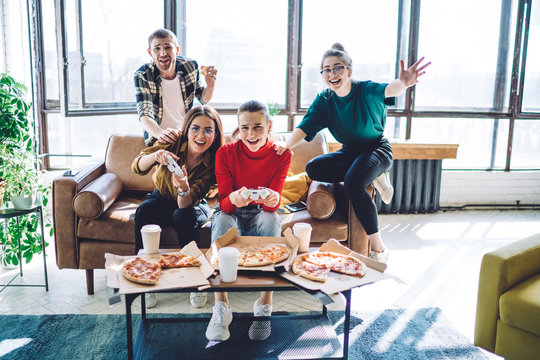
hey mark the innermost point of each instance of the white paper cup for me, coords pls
(228, 263)
(303, 232)
(150, 238)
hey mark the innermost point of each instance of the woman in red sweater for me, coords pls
(250, 163)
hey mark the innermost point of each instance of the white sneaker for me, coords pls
(151, 300)
(260, 330)
(218, 328)
(198, 299)
(379, 256)
(384, 187)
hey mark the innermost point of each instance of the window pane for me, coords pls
(248, 46)
(367, 30)
(474, 136)
(85, 136)
(49, 52)
(461, 38)
(115, 44)
(526, 145)
(531, 100)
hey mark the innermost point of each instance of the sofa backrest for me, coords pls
(304, 151)
(122, 149)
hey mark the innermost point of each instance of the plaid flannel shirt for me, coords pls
(148, 90)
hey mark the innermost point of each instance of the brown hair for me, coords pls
(203, 110)
(162, 34)
(252, 106)
(339, 51)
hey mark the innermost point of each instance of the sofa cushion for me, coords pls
(320, 200)
(520, 306)
(97, 196)
(121, 151)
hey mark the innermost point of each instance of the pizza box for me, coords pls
(169, 278)
(231, 238)
(340, 282)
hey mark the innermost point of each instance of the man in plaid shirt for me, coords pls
(166, 88)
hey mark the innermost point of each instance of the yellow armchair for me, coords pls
(508, 307)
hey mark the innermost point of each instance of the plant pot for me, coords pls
(22, 202)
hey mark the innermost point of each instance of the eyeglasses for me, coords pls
(337, 70)
(195, 131)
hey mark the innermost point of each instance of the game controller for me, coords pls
(174, 167)
(255, 194)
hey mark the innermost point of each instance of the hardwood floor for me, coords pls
(434, 258)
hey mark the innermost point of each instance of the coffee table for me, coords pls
(294, 336)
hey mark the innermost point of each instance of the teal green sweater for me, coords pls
(358, 117)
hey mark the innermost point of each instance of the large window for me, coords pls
(461, 38)
(368, 31)
(246, 41)
(481, 90)
(104, 46)
(531, 98)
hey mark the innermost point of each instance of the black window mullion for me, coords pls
(294, 33)
(413, 55)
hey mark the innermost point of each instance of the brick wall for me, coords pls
(493, 188)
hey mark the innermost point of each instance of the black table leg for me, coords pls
(346, 324)
(43, 245)
(129, 325)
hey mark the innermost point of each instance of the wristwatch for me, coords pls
(182, 193)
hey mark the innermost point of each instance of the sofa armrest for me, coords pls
(500, 270)
(320, 200)
(64, 189)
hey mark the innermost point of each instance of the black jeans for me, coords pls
(357, 166)
(163, 211)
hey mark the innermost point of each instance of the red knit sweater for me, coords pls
(237, 166)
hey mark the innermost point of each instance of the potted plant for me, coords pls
(19, 172)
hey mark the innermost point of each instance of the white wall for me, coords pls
(494, 188)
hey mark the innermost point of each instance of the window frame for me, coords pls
(408, 22)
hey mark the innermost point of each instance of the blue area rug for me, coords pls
(391, 334)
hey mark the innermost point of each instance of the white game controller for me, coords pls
(174, 167)
(255, 194)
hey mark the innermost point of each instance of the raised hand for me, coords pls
(410, 76)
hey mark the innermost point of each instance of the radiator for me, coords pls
(417, 186)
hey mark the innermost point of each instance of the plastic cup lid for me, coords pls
(228, 252)
(151, 228)
(302, 225)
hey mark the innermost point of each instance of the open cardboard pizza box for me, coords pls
(337, 282)
(231, 238)
(169, 278)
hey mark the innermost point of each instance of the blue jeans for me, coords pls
(250, 220)
(357, 166)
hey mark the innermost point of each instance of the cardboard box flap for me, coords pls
(186, 277)
(334, 246)
(227, 238)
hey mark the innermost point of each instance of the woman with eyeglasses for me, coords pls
(355, 114)
(179, 201)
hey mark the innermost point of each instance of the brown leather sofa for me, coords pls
(94, 211)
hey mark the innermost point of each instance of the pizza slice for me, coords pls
(324, 258)
(349, 265)
(141, 271)
(256, 258)
(177, 260)
(310, 271)
(276, 253)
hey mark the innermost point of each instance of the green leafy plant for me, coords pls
(273, 109)
(19, 169)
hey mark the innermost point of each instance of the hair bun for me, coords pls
(338, 46)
